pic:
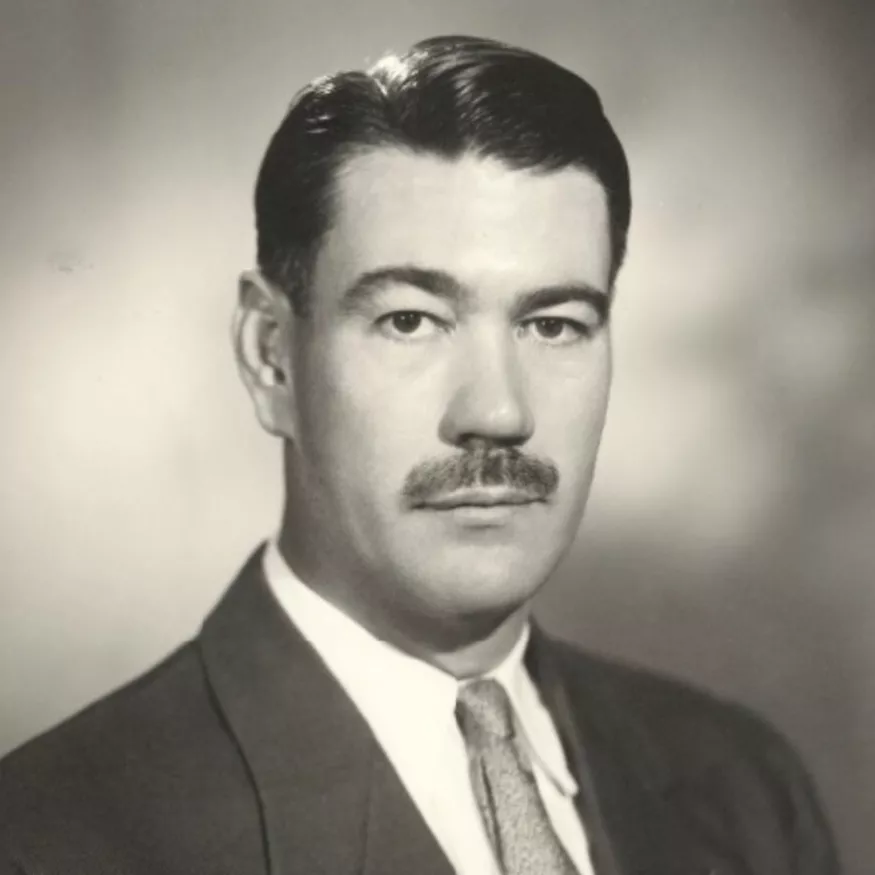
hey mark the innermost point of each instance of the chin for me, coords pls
(472, 581)
(486, 591)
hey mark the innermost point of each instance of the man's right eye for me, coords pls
(408, 325)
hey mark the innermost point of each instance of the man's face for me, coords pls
(450, 381)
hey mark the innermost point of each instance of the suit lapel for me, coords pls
(624, 783)
(330, 801)
(398, 840)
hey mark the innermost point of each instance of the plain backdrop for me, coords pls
(730, 538)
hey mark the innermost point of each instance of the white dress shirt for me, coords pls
(410, 708)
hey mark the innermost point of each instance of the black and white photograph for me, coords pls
(439, 437)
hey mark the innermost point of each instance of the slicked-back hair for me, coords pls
(446, 96)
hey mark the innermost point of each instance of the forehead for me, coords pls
(473, 217)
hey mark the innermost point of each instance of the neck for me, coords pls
(481, 656)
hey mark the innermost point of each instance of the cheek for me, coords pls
(368, 423)
(571, 407)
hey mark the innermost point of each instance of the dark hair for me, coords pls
(446, 96)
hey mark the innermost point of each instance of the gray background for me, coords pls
(730, 538)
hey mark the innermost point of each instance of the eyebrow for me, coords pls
(445, 286)
(435, 282)
(563, 293)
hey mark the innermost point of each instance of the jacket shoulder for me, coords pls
(150, 759)
(719, 761)
(92, 735)
(693, 728)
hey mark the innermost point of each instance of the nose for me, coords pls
(489, 402)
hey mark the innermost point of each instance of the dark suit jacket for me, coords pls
(241, 755)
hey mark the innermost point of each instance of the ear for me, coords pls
(262, 335)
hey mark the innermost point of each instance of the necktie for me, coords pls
(504, 786)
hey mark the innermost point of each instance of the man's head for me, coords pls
(438, 240)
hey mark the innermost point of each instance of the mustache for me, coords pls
(501, 466)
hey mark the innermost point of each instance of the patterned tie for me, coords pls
(505, 788)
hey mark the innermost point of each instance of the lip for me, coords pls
(481, 498)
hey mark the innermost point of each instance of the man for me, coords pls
(428, 333)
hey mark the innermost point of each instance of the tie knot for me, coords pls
(483, 708)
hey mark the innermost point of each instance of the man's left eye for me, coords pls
(557, 329)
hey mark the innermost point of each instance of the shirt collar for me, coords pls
(540, 737)
(376, 675)
(364, 665)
